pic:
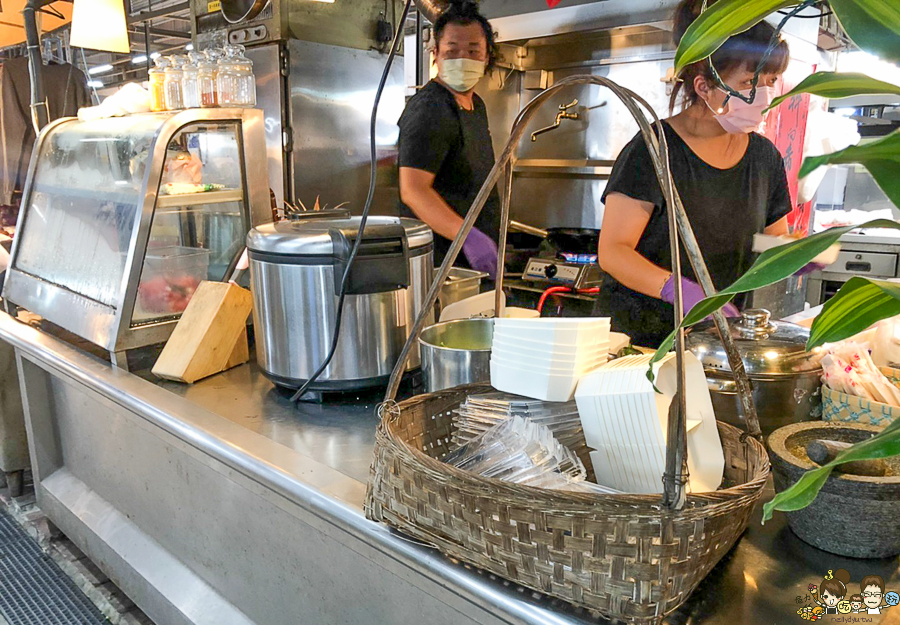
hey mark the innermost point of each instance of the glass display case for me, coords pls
(123, 217)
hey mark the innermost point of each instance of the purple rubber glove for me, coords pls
(809, 268)
(481, 252)
(691, 294)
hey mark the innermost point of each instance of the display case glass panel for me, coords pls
(84, 204)
(199, 222)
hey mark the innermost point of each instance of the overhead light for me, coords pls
(155, 55)
(100, 69)
(846, 112)
(189, 47)
(139, 59)
(100, 25)
(95, 84)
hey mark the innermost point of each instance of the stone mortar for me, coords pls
(853, 515)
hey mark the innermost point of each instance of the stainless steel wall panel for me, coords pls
(331, 91)
(527, 19)
(270, 98)
(604, 127)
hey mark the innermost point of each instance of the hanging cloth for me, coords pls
(65, 88)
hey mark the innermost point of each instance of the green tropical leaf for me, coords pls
(873, 25)
(860, 303)
(719, 22)
(881, 158)
(833, 85)
(885, 444)
(772, 266)
(799, 495)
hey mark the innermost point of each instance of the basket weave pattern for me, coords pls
(622, 555)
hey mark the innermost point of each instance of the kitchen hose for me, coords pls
(365, 212)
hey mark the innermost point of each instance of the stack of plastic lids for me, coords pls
(545, 358)
(521, 451)
(478, 413)
(625, 421)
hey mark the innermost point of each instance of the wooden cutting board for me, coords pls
(211, 335)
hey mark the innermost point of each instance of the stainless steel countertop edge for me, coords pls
(208, 432)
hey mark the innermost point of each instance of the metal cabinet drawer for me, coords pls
(864, 264)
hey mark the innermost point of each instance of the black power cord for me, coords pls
(373, 157)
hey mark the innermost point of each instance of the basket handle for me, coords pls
(680, 225)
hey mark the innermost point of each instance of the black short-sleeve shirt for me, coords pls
(437, 136)
(726, 207)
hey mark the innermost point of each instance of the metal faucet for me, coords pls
(563, 114)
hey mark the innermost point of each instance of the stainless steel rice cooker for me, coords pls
(784, 377)
(296, 268)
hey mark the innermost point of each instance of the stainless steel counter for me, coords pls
(221, 503)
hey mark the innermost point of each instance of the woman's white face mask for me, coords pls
(461, 75)
(742, 117)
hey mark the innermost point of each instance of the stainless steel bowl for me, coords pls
(456, 352)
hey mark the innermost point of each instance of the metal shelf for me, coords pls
(199, 199)
(563, 167)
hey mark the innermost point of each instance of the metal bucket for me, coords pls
(456, 352)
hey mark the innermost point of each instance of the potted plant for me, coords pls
(873, 25)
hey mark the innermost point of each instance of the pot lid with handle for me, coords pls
(309, 234)
(768, 348)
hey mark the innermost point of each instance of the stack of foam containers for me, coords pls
(545, 358)
(625, 422)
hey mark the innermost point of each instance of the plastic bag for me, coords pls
(848, 367)
(521, 451)
(130, 98)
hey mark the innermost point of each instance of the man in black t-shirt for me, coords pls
(445, 144)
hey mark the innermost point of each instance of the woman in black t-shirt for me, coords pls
(445, 145)
(731, 179)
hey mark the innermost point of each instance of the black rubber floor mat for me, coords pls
(33, 589)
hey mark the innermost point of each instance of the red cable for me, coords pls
(561, 289)
(549, 292)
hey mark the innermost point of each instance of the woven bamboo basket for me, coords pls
(625, 556)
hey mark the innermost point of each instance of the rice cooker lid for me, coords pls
(768, 348)
(311, 237)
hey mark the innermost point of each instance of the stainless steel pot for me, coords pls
(295, 271)
(456, 352)
(784, 377)
(460, 284)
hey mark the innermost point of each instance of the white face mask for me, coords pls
(742, 117)
(461, 75)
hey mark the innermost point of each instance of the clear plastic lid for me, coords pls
(190, 63)
(241, 61)
(208, 60)
(160, 64)
(174, 68)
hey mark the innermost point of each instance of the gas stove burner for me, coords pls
(579, 259)
(553, 272)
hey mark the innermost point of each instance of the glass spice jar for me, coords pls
(227, 79)
(190, 84)
(173, 75)
(157, 84)
(207, 72)
(245, 80)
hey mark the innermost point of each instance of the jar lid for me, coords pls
(312, 236)
(768, 348)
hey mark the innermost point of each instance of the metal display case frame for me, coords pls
(110, 327)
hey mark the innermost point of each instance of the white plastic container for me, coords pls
(533, 383)
(578, 368)
(625, 421)
(551, 335)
